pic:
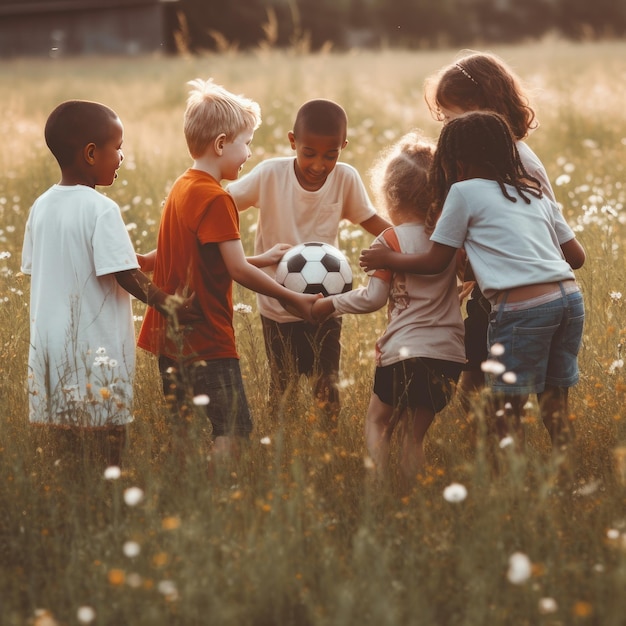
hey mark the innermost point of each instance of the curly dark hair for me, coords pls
(484, 139)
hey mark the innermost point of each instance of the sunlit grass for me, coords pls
(297, 533)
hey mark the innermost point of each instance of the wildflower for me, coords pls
(242, 308)
(134, 580)
(617, 364)
(492, 367)
(133, 496)
(582, 609)
(266, 441)
(116, 577)
(615, 295)
(85, 615)
(170, 523)
(455, 492)
(519, 568)
(131, 549)
(101, 351)
(44, 618)
(510, 378)
(168, 589)
(496, 350)
(612, 533)
(369, 464)
(547, 606)
(505, 442)
(201, 399)
(105, 393)
(113, 472)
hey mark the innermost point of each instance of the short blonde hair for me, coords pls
(400, 175)
(211, 111)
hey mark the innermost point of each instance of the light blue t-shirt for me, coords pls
(508, 244)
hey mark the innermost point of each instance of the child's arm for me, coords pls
(139, 285)
(574, 253)
(253, 278)
(147, 261)
(270, 257)
(432, 262)
(362, 300)
(375, 225)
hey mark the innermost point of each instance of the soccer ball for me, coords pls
(315, 267)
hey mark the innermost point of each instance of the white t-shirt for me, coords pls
(290, 214)
(508, 244)
(82, 340)
(423, 312)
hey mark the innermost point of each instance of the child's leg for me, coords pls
(326, 351)
(554, 407)
(416, 423)
(379, 425)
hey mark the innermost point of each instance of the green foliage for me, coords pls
(297, 533)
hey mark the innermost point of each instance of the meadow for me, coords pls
(296, 533)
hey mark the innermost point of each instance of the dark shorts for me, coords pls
(476, 328)
(295, 348)
(221, 381)
(417, 382)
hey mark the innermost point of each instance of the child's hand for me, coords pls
(374, 258)
(465, 289)
(276, 253)
(185, 309)
(301, 305)
(322, 309)
(146, 261)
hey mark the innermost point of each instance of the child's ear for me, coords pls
(218, 144)
(89, 152)
(292, 139)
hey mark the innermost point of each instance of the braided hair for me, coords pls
(483, 139)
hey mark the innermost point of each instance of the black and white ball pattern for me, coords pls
(315, 267)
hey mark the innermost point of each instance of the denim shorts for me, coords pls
(221, 381)
(540, 344)
(417, 382)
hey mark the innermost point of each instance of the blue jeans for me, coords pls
(540, 343)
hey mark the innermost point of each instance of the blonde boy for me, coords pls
(199, 249)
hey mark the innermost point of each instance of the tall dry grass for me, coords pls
(296, 533)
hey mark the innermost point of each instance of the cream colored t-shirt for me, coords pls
(290, 214)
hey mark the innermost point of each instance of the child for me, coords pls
(482, 81)
(199, 248)
(83, 266)
(303, 199)
(421, 354)
(522, 253)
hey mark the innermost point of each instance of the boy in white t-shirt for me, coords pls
(303, 199)
(84, 268)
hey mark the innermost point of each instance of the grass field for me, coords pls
(296, 534)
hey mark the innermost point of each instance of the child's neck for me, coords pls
(208, 166)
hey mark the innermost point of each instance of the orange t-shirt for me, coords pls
(198, 214)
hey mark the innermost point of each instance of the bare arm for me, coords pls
(271, 256)
(253, 278)
(139, 285)
(375, 225)
(147, 261)
(434, 261)
(574, 253)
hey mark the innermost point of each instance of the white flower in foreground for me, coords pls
(492, 367)
(266, 441)
(133, 496)
(547, 606)
(131, 549)
(615, 295)
(496, 350)
(168, 589)
(510, 378)
(455, 492)
(113, 472)
(612, 533)
(505, 442)
(520, 568)
(85, 615)
(201, 399)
